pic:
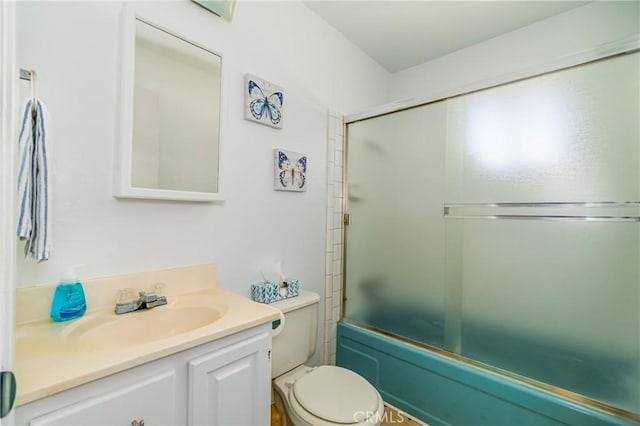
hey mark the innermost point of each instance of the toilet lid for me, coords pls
(336, 394)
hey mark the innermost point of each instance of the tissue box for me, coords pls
(269, 292)
(293, 288)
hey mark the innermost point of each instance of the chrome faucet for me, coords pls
(147, 300)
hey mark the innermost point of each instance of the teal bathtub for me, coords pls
(442, 391)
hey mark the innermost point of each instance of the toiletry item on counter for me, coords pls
(68, 301)
(274, 285)
(268, 292)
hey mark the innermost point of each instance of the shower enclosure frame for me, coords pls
(622, 47)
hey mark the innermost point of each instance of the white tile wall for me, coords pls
(334, 235)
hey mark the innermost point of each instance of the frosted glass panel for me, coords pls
(555, 301)
(567, 136)
(395, 241)
(503, 226)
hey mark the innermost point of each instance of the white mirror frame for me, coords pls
(123, 187)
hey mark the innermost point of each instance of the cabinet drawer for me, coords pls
(151, 400)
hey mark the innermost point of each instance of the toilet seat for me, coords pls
(335, 395)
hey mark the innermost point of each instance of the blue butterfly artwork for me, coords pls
(290, 171)
(263, 102)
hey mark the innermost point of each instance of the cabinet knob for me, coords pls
(137, 423)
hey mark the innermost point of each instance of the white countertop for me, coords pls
(50, 359)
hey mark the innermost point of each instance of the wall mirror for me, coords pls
(170, 114)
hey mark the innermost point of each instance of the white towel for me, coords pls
(34, 195)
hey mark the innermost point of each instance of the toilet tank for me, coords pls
(297, 339)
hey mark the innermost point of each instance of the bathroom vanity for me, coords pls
(218, 383)
(218, 373)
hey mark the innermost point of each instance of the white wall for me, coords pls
(518, 52)
(7, 189)
(73, 46)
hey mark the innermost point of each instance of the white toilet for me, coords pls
(318, 396)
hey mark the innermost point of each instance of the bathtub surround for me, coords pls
(334, 241)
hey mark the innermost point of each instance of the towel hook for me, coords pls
(32, 81)
(30, 75)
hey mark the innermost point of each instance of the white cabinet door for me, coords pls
(151, 400)
(232, 386)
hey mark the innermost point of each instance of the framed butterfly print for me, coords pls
(262, 101)
(290, 171)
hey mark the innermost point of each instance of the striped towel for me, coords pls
(34, 197)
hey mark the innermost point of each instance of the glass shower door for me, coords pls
(542, 212)
(504, 226)
(395, 240)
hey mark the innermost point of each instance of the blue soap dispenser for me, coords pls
(68, 301)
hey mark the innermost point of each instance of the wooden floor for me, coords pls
(276, 420)
(391, 417)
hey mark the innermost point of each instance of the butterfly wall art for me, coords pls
(290, 171)
(263, 101)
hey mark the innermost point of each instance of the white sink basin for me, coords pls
(102, 330)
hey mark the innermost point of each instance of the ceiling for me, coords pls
(400, 34)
